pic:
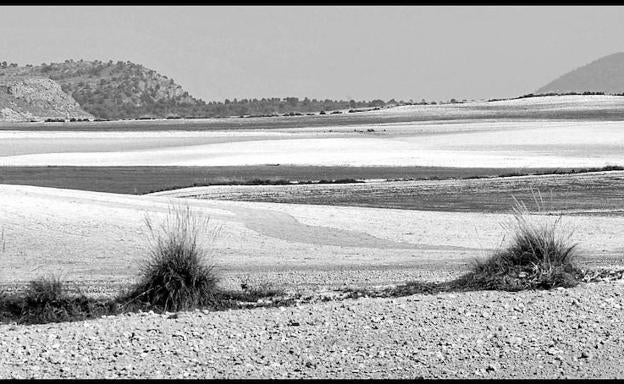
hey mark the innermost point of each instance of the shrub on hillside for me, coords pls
(176, 274)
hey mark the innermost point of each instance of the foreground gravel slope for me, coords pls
(575, 333)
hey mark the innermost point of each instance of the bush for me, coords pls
(44, 290)
(176, 276)
(540, 255)
(46, 300)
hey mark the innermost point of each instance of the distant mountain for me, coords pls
(29, 98)
(603, 75)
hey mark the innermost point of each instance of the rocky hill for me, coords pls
(28, 98)
(113, 90)
(603, 75)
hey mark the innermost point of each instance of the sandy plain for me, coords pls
(510, 133)
(465, 144)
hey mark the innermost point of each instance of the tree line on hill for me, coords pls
(275, 106)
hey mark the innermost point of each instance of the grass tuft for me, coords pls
(45, 290)
(540, 255)
(46, 300)
(176, 275)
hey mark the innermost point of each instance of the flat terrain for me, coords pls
(504, 134)
(465, 144)
(597, 193)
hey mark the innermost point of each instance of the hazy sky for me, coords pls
(325, 52)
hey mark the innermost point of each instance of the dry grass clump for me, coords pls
(176, 275)
(45, 290)
(46, 300)
(540, 255)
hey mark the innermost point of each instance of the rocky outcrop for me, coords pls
(108, 90)
(27, 99)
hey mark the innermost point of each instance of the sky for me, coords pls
(346, 52)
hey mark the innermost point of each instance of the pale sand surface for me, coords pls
(99, 236)
(516, 144)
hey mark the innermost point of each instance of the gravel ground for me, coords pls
(547, 334)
